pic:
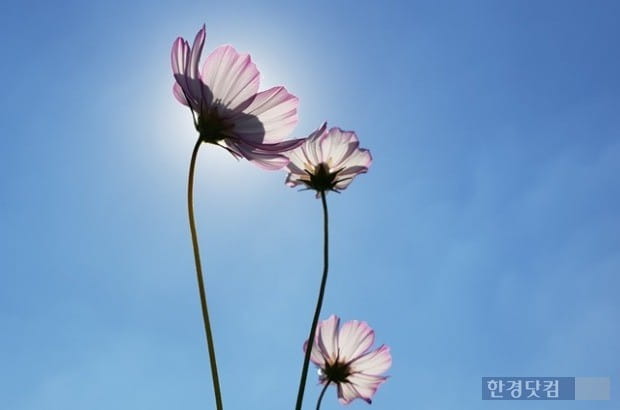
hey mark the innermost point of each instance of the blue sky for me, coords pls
(483, 241)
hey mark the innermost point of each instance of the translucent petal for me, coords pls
(347, 393)
(232, 78)
(338, 145)
(366, 385)
(328, 338)
(178, 94)
(355, 338)
(276, 112)
(315, 355)
(267, 160)
(374, 362)
(356, 158)
(194, 55)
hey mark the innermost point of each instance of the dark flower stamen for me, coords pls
(337, 372)
(212, 128)
(321, 179)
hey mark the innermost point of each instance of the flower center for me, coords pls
(337, 372)
(321, 179)
(212, 127)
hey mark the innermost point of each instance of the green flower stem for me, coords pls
(319, 304)
(201, 285)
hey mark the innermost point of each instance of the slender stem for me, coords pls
(319, 304)
(318, 403)
(201, 285)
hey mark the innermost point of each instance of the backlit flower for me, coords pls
(228, 110)
(345, 358)
(327, 160)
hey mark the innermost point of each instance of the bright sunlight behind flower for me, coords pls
(226, 106)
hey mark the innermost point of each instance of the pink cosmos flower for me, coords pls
(227, 108)
(345, 358)
(327, 160)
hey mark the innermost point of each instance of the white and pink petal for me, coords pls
(298, 162)
(179, 56)
(338, 145)
(366, 385)
(373, 363)
(347, 393)
(276, 112)
(177, 91)
(357, 158)
(315, 355)
(276, 147)
(194, 56)
(232, 78)
(270, 161)
(327, 337)
(346, 176)
(355, 338)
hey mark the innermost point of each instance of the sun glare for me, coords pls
(171, 141)
(171, 131)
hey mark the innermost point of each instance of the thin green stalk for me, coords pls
(201, 285)
(319, 304)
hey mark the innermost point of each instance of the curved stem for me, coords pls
(319, 304)
(201, 285)
(318, 403)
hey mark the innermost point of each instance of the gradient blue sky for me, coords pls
(484, 241)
